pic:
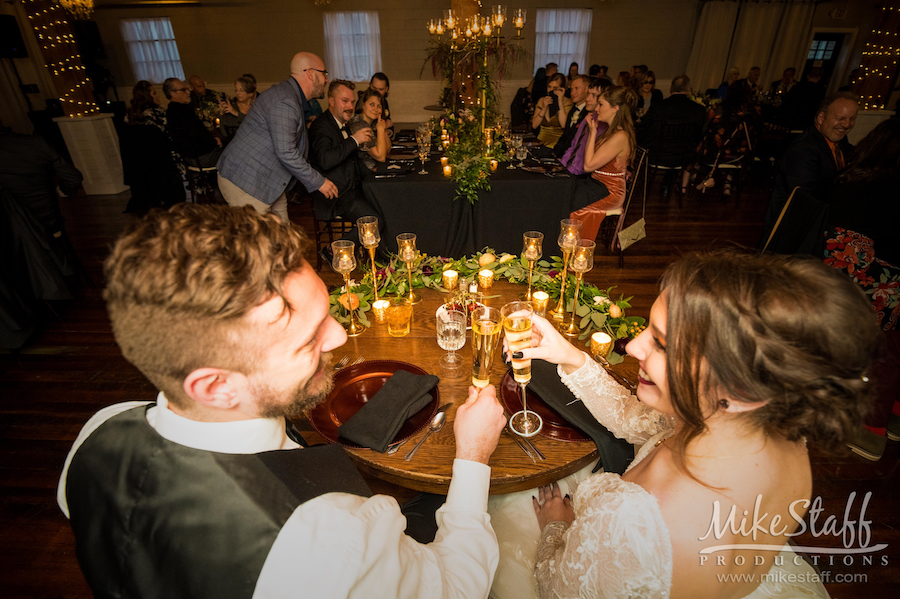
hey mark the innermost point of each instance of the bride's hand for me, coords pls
(548, 344)
(551, 506)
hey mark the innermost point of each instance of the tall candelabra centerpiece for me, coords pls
(369, 238)
(532, 252)
(569, 234)
(406, 244)
(582, 262)
(344, 262)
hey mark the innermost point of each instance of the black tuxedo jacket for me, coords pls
(677, 108)
(569, 131)
(336, 158)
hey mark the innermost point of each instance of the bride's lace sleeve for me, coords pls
(612, 405)
(617, 547)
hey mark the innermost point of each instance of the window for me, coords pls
(152, 49)
(562, 36)
(352, 45)
(821, 50)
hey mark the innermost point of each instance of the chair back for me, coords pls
(676, 141)
(639, 172)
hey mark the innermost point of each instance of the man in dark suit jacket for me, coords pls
(815, 157)
(579, 91)
(190, 137)
(335, 154)
(268, 155)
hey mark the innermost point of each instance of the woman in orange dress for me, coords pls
(606, 158)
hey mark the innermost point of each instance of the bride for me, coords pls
(744, 360)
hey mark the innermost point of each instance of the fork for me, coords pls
(342, 362)
(358, 360)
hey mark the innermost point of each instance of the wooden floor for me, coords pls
(72, 368)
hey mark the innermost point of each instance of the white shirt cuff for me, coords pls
(469, 486)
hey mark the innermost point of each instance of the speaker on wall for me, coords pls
(11, 43)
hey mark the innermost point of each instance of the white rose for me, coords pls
(506, 258)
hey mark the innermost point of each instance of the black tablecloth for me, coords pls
(519, 201)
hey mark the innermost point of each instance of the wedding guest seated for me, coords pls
(522, 107)
(204, 492)
(234, 110)
(602, 74)
(190, 136)
(734, 74)
(334, 151)
(751, 82)
(815, 157)
(200, 96)
(606, 156)
(382, 85)
(648, 95)
(548, 108)
(744, 361)
(551, 69)
(779, 88)
(378, 147)
(145, 110)
(574, 115)
(623, 80)
(573, 73)
(573, 158)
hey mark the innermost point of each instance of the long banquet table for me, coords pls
(425, 204)
(430, 468)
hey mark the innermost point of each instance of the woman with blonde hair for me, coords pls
(606, 157)
(234, 111)
(744, 360)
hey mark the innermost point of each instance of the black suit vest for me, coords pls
(153, 518)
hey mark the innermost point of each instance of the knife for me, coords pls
(520, 439)
(520, 443)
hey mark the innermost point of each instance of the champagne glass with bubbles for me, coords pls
(517, 328)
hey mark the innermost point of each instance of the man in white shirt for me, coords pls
(190, 495)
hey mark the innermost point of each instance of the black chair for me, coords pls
(674, 148)
(326, 231)
(610, 228)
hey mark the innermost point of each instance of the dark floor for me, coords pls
(72, 367)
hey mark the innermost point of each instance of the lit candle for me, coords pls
(445, 142)
(447, 170)
(379, 308)
(368, 239)
(450, 279)
(601, 343)
(494, 164)
(486, 278)
(540, 299)
(444, 161)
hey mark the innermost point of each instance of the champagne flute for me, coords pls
(582, 262)
(517, 328)
(369, 238)
(451, 336)
(532, 251)
(406, 244)
(569, 234)
(423, 155)
(344, 262)
(487, 324)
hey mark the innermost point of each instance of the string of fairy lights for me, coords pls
(61, 57)
(879, 62)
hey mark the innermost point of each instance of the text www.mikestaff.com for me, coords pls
(826, 577)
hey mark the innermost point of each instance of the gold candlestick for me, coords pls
(559, 312)
(370, 237)
(569, 234)
(532, 251)
(406, 243)
(582, 262)
(344, 262)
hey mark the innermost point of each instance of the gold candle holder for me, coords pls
(445, 161)
(601, 345)
(582, 262)
(445, 143)
(379, 309)
(406, 248)
(569, 234)
(531, 251)
(450, 278)
(494, 164)
(344, 262)
(370, 237)
(485, 278)
(540, 299)
(447, 170)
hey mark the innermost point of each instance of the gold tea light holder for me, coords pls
(540, 299)
(485, 278)
(450, 279)
(379, 309)
(601, 345)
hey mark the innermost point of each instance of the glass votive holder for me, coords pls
(540, 299)
(601, 345)
(379, 309)
(447, 170)
(445, 142)
(444, 161)
(451, 277)
(485, 278)
(494, 164)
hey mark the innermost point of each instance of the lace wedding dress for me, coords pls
(618, 546)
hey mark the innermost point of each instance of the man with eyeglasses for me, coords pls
(189, 135)
(268, 154)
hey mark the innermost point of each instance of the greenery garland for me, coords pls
(596, 308)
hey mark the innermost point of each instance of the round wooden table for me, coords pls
(430, 469)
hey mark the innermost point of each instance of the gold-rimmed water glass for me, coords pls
(344, 261)
(369, 238)
(569, 234)
(406, 248)
(517, 329)
(582, 262)
(532, 251)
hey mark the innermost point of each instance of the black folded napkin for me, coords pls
(384, 168)
(615, 454)
(378, 422)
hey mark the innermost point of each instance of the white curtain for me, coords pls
(152, 49)
(709, 53)
(352, 45)
(771, 35)
(562, 36)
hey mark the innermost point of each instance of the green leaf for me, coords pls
(584, 322)
(599, 319)
(614, 358)
(582, 310)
